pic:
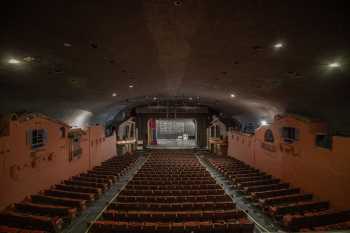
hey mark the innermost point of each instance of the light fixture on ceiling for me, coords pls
(13, 61)
(177, 3)
(114, 94)
(334, 65)
(29, 59)
(263, 122)
(232, 95)
(131, 86)
(278, 45)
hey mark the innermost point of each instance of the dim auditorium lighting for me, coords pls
(13, 61)
(232, 95)
(114, 94)
(263, 122)
(334, 65)
(278, 45)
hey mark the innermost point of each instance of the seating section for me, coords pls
(294, 209)
(172, 192)
(52, 209)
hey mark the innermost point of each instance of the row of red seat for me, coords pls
(175, 192)
(241, 225)
(52, 209)
(289, 206)
(169, 182)
(173, 186)
(180, 206)
(173, 199)
(172, 192)
(175, 179)
(172, 216)
(170, 177)
(6, 229)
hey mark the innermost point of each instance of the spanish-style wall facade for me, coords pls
(323, 172)
(217, 137)
(25, 171)
(127, 137)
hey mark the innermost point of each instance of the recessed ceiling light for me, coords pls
(13, 61)
(29, 59)
(334, 65)
(177, 3)
(263, 122)
(114, 94)
(278, 45)
(232, 95)
(131, 86)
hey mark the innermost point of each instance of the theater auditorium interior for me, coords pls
(174, 116)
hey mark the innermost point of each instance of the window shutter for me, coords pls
(45, 135)
(29, 136)
(297, 134)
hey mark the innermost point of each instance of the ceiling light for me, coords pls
(114, 94)
(263, 122)
(131, 86)
(278, 45)
(232, 95)
(13, 61)
(154, 98)
(177, 3)
(29, 59)
(334, 65)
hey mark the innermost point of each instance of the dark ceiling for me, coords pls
(74, 54)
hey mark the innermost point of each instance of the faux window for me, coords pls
(37, 138)
(324, 141)
(268, 137)
(290, 134)
(217, 129)
(63, 132)
(75, 148)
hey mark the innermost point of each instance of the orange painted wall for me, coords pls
(323, 172)
(101, 147)
(24, 171)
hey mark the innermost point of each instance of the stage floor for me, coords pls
(174, 144)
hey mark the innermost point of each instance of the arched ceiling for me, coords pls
(75, 54)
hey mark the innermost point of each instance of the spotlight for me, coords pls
(13, 61)
(334, 65)
(278, 45)
(263, 122)
(232, 95)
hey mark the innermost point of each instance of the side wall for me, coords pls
(323, 172)
(25, 171)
